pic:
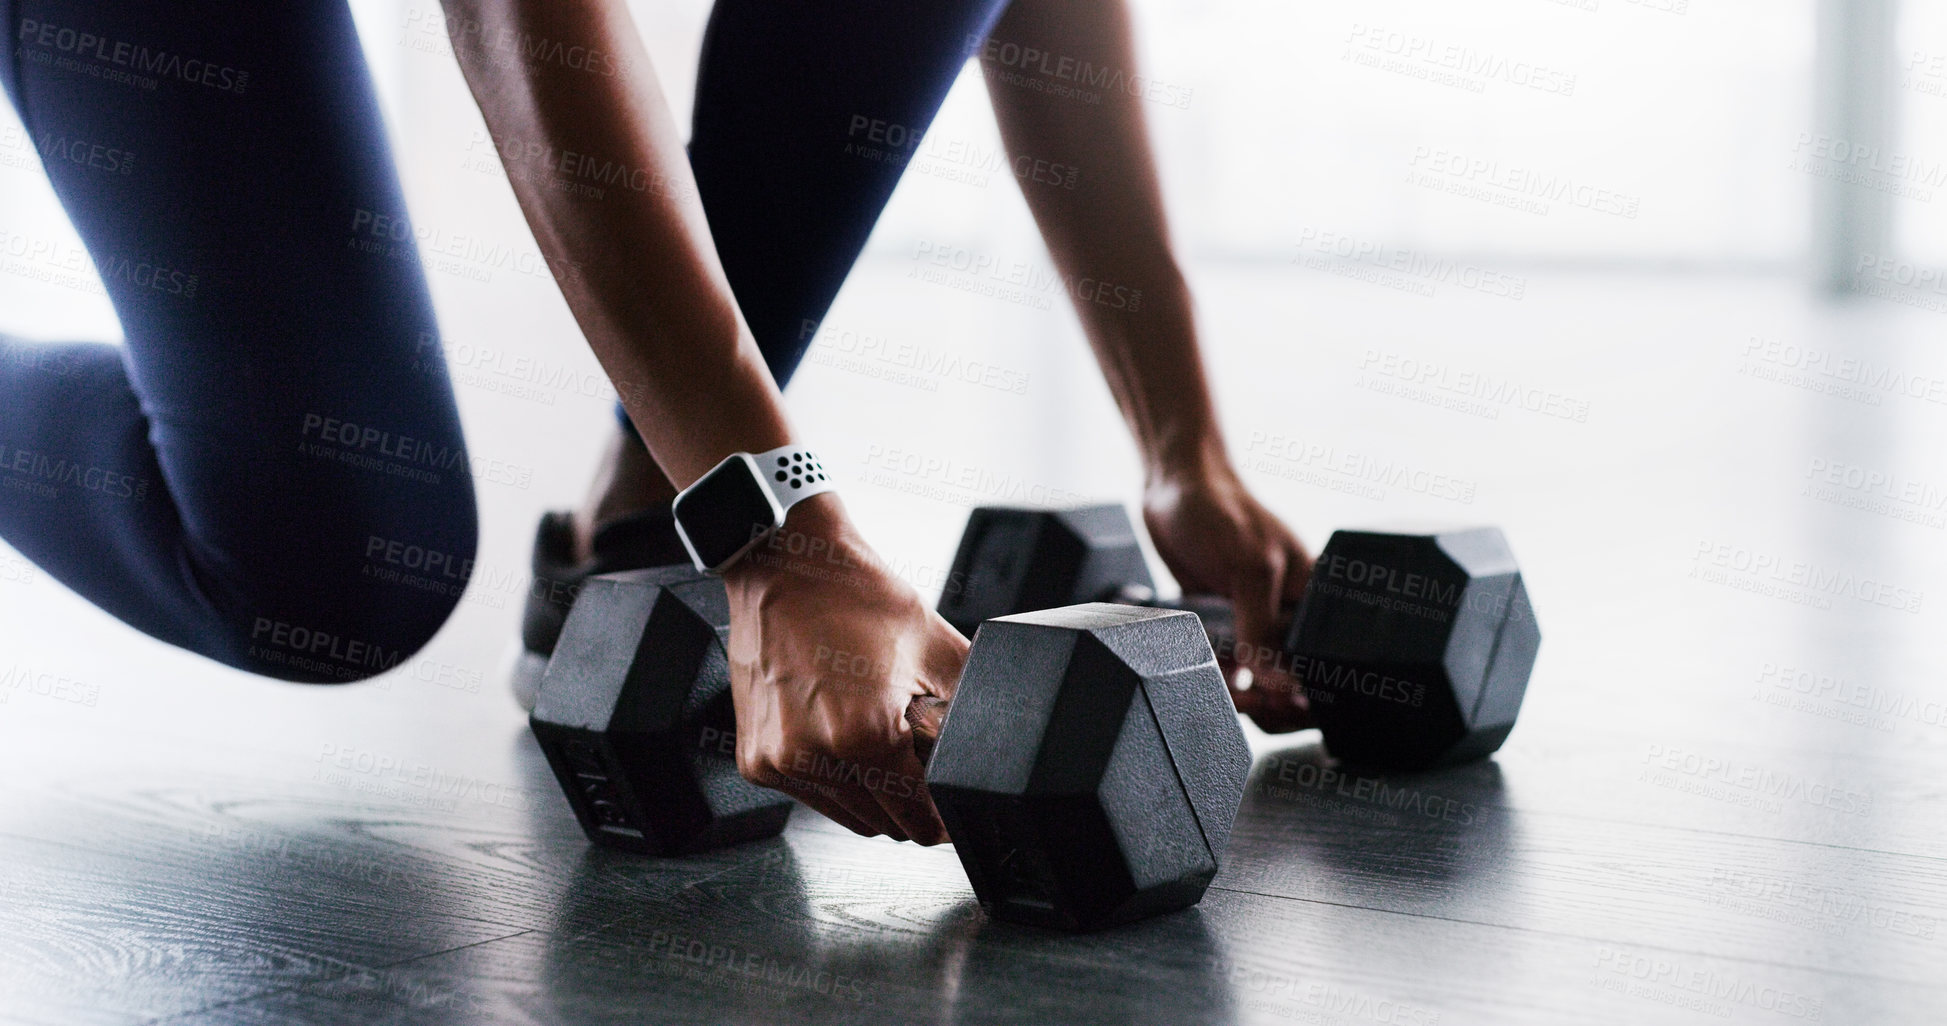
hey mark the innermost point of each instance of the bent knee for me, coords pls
(344, 587)
(333, 648)
(342, 624)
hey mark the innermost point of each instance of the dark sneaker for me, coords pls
(634, 542)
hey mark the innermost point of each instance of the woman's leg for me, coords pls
(792, 98)
(270, 472)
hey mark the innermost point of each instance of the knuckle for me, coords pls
(757, 766)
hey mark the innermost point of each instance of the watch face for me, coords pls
(724, 511)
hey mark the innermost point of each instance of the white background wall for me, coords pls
(1301, 120)
(1695, 112)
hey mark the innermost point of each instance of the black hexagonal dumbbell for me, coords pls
(1414, 647)
(635, 718)
(1088, 769)
(1090, 765)
(1013, 560)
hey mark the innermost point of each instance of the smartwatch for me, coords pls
(743, 501)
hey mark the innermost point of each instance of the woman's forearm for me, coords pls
(592, 151)
(1100, 209)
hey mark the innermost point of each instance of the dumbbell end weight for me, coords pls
(1414, 647)
(1014, 559)
(1089, 766)
(635, 719)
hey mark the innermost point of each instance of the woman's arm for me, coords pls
(561, 82)
(637, 265)
(1110, 239)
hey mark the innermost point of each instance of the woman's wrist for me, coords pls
(816, 530)
(1187, 457)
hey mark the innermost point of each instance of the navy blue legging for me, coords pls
(270, 471)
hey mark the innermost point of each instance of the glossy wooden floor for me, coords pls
(1726, 800)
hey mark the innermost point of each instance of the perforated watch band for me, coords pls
(793, 474)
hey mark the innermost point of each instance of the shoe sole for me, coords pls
(524, 672)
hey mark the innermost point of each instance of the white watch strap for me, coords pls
(793, 474)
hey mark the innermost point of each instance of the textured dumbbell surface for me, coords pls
(1415, 649)
(1090, 766)
(1012, 560)
(635, 717)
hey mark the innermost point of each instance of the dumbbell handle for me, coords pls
(925, 713)
(1218, 616)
